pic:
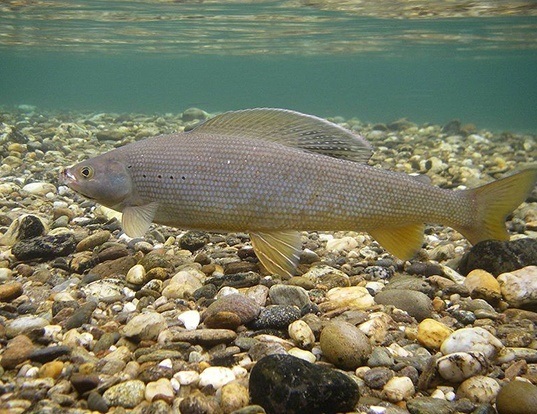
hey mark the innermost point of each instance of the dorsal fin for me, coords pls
(293, 129)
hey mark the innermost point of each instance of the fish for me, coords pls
(274, 173)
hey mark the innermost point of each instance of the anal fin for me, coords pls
(137, 219)
(278, 251)
(403, 241)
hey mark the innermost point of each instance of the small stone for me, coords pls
(10, 291)
(24, 324)
(136, 275)
(145, 326)
(127, 394)
(285, 384)
(398, 389)
(429, 405)
(17, 351)
(84, 382)
(327, 275)
(39, 188)
(301, 333)
(344, 345)
(80, 316)
(354, 297)
(49, 353)
(276, 317)
(104, 289)
(482, 284)
(432, 333)
(416, 304)
(458, 366)
(112, 268)
(194, 114)
(90, 242)
(216, 376)
(233, 396)
(52, 369)
(517, 397)
(97, 403)
(243, 307)
(23, 228)
(519, 287)
(208, 337)
(160, 389)
(377, 377)
(183, 284)
(302, 354)
(44, 247)
(190, 319)
(472, 339)
(479, 389)
(338, 245)
(199, 403)
(289, 295)
(194, 240)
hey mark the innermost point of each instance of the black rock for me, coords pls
(429, 405)
(30, 226)
(286, 384)
(97, 403)
(50, 353)
(193, 240)
(237, 280)
(84, 382)
(498, 257)
(81, 316)
(276, 317)
(44, 247)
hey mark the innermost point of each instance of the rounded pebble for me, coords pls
(344, 345)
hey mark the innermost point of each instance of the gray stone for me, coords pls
(415, 303)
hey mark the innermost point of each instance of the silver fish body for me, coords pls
(275, 179)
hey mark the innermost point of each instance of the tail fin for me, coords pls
(494, 202)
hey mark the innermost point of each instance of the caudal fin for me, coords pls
(494, 202)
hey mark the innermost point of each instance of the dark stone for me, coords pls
(424, 269)
(498, 257)
(106, 341)
(286, 384)
(97, 403)
(30, 227)
(207, 291)
(84, 382)
(193, 240)
(429, 405)
(237, 280)
(44, 247)
(57, 306)
(416, 304)
(49, 353)
(276, 317)
(453, 127)
(377, 377)
(81, 316)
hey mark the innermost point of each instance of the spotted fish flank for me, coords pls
(274, 172)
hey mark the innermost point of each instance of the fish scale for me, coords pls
(274, 172)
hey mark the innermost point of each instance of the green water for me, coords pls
(164, 57)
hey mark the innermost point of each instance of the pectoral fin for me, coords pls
(403, 242)
(137, 219)
(279, 251)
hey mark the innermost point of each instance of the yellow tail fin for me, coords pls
(494, 202)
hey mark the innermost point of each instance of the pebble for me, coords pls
(276, 317)
(398, 389)
(190, 319)
(145, 326)
(127, 394)
(343, 244)
(482, 284)
(93, 240)
(208, 337)
(517, 397)
(97, 403)
(354, 297)
(233, 397)
(217, 377)
(479, 389)
(10, 291)
(432, 333)
(289, 295)
(344, 345)
(44, 247)
(136, 275)
(285, 384)
(183, 284)
(52, 369)
(160, 389)
(49, 353)
(458, 366)
(430, 405)
(415, 303)
(24, 227)
(17, 351)
(327, 275)
(300, 332)
(519, 287)
(24, 324)
(237, 310)
(39, 188)
(472, 339)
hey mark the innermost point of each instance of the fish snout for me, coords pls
(66, 177)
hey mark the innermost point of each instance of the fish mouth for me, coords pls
(66, 177)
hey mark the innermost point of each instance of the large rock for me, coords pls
(499, 257)
(286, 384)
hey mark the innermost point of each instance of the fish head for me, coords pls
(103, 179)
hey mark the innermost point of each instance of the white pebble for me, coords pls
(136, 275)
(301, 333)
(519, 287)
(472, 339)
(302, 354)
(459, 366)
(479, 389)
(398, 389)
(129, 307)
(216, 376)
(166, 363)
(162, 387)
(190, 319)
(39, 188)
(240, 372)
(338, 245)
(187, 377)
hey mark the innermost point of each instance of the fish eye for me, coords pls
(86, 172)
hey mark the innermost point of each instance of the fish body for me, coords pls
(274, 172)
